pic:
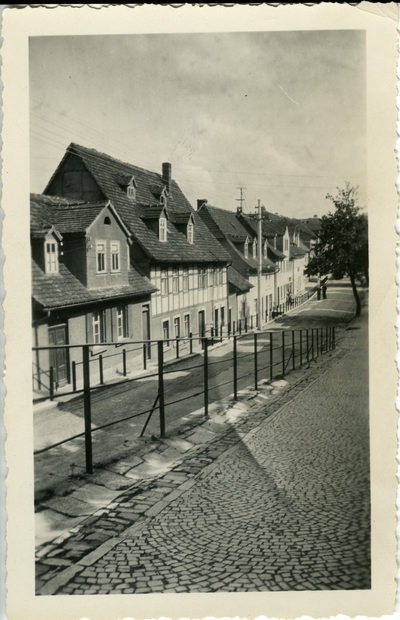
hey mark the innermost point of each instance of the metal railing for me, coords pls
(273, 354)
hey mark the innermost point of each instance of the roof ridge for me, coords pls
(99, 154)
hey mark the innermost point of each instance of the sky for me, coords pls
(280, 114)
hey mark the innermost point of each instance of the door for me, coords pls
(216, 324)
(59, 357)
(202, 325)
(146, 329)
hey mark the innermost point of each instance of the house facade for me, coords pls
(84, 289)
(170, 245)
(242, 245)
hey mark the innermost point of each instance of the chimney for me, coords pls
(166, 174)
(201, 202)
(238, 210)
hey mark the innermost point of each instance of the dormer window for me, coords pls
(246, 249)
(101, 257)
(163, 197)
(131, 192)
(254, 249)
(162, 229)
(265, 250)
(190, 232)
(51, 256)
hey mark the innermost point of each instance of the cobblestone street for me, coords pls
(279, 502)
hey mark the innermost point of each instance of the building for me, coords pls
(170, 245)
(242, 245)
(84, 289)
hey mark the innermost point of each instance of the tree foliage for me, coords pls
(342, 247)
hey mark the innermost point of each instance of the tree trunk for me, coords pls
(355, 293)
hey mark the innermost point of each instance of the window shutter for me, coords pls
(127, 309)
(89, 327)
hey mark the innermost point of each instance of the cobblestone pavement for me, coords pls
(278, 501)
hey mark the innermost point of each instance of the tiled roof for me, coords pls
(237, 282)
(177, 249)
(278, 254)
(296, 252)
(223, 223)
(66, 215)
(63, 290)
(313, 223)
(177, 217)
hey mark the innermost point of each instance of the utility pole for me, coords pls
(259, 265)
(241, 199)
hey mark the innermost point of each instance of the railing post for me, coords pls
(240, 327)
(301, 348)
(293, 352)
(177, 348)
(234, 328)
(73, 376)
(312, 344)
(51, 379)
(245, 324)
(251, 322)
(235, 368)
(160, 346)
(255, 363)
(206, 377)
(308, 346)
(101, 369)
(271, 357)
(87, 409)
(190, 343)
(144, 356)
(283, 354)
(124, 362)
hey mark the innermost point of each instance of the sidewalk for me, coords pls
(138, 489)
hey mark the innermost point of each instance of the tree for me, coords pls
(342, 248)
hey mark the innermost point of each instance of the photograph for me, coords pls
(203, 244)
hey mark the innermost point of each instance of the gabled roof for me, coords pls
(296, 252)
(66, 215)
(104, 169)
(64, 290)
(237, 283)
(223, 223)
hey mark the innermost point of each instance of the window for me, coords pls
(122, 322)
(115, 256)
(99, 327)
(175, 281)
(246, 249)
(162, 229)
(286, 245)
(211, 281)
(107, 221)
(254, 249)
(265, 250)
(177, 327)
(186, 321)
(164, 282)
(185, 279)
(190, 231)
(51, 256)
(202, 278)
(101, 256)
(220, 276)
(165, 330)
(131, 192)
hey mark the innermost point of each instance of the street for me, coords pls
(276, 502)
(184, 382)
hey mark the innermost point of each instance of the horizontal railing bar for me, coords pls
(174, 402)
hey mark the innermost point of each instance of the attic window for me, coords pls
(51, 257)
(190, 231)
(107, 221)
(162, 229)
(246, 249)
(131, 192)
(254, 249)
